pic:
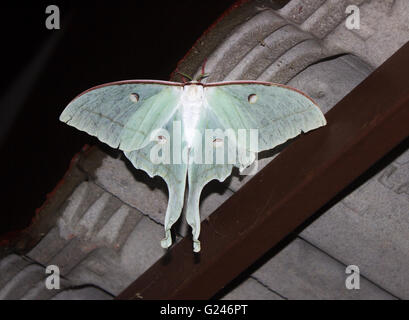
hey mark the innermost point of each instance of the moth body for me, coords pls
(191, 102)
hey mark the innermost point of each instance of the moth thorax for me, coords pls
(192, 102)
(192, 93)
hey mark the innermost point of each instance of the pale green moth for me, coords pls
(161, 128)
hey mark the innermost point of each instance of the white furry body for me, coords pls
(191, 102)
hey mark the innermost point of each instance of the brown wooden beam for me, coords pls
(362, 128)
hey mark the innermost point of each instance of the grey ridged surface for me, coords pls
(108, 231)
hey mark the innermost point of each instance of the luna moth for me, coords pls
(163, 128)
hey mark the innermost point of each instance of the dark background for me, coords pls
(43, 70)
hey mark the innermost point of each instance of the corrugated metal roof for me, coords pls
(107, 231)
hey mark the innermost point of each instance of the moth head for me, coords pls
(192, 93)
